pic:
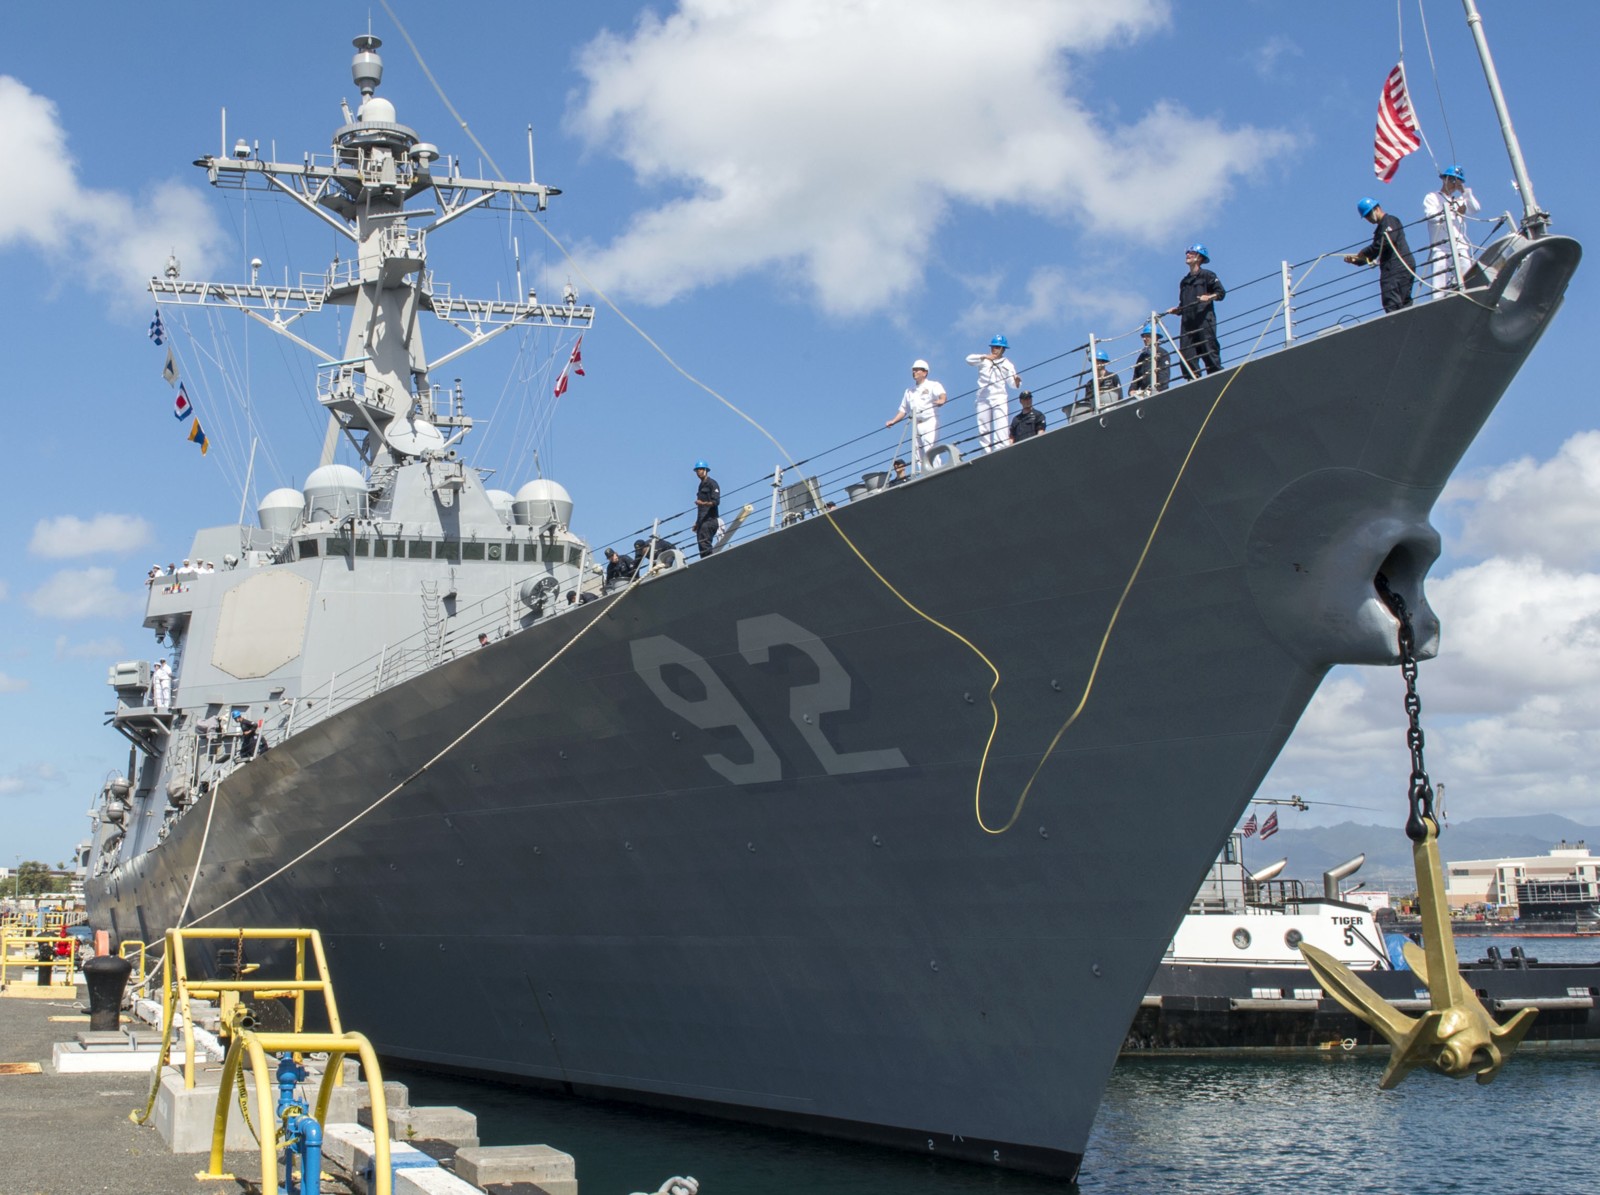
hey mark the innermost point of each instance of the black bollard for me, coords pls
(107, 977)
(46, 955)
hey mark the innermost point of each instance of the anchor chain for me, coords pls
(1420, 792)
(1456, 1036)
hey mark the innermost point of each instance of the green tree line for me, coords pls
(34, 878)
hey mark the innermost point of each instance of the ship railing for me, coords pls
(1275, 311)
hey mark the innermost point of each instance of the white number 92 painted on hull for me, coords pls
(720, 709)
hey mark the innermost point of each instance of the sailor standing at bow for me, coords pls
(706, 500)
(1450, 254)
(920, 404)
(995, 373)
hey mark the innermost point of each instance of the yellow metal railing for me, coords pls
(61, 967)
(128, 947)
(247, 1042)
(181, 988)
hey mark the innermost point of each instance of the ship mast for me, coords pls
(378, 392)
(1535, 220)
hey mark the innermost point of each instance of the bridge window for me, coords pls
(380, 547)
(419, 549)
(308, 549)
(472, 551)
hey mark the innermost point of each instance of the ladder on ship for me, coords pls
(432, 622)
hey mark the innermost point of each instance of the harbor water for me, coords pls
(1259, 1125)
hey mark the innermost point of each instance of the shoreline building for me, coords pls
(1563, 884)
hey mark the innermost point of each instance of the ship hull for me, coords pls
(736, 846)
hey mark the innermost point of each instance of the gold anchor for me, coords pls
(1456, 1036)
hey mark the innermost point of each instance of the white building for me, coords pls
(1561, 883)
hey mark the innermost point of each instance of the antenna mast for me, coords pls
(1535, 221)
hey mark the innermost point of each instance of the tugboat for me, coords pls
(1234, 981)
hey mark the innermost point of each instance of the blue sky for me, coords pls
(794, 199)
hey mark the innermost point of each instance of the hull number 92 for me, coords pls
(718, 709)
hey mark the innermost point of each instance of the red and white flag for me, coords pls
(1397, 133)
(575, 364)
(1270, 826)
(1249, 826)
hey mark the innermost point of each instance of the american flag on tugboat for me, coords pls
(1270, 826)
(1249, 826)
(1397, 133)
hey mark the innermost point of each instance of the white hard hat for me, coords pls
(919, 363)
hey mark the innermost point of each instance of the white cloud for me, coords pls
(834, 140)
(1270, 60)
(74, 594)
(89, 649)
(115, 241)
(12, 684)
(26, 780)
(1511, 707)
(66, 536)
(1549, 509)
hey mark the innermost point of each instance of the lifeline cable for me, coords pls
(443, 751)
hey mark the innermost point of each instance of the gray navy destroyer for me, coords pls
(744, 834)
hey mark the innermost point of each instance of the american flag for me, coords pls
(1270, 826)
(1397, 133)
(1249, 826)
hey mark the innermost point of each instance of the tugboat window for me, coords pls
(1293, 938)
(1241, 938)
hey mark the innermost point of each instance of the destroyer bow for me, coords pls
(1456, 1036)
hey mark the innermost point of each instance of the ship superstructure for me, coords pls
(745, 835)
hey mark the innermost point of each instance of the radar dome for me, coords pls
(334, 492)
(539, 501)
(501, 500)
(414, 437)
(377, 109)
(280, 510)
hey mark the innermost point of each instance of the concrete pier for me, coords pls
(65, 1097)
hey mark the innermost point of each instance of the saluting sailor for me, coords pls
(1446, 212)
(995, 373)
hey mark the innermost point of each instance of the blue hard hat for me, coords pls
(1365, 206)
(1101, 355)
(1197, 247)
(999, 342)
(702, 465)
(1148, 330)
(1454, 172)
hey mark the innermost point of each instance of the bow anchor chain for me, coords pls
(1456, 1036)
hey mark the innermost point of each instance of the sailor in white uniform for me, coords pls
(161, 686)
(1446, 211)
(920, 404)
(995, 373)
